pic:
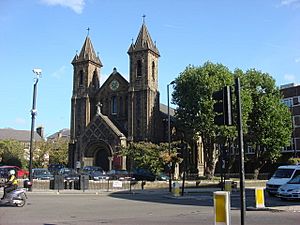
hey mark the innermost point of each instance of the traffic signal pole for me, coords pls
(241, 149)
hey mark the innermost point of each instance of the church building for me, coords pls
(105, 117)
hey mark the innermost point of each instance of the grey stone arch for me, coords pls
(98, 153)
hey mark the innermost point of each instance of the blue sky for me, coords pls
(46, 34)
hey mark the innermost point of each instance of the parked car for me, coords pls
(282, 175)
(69, 174)
(41, 174)
(55, 168)
(98, 175)
(119, 175)
(162, 177)
(290, 190)
(92, 168)
(143, 174)
(21, 173)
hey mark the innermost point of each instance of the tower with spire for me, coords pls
(143, 88)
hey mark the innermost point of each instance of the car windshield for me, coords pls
(295, 180)
(283, 173)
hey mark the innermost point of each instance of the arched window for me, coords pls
(153, 70)
(81, 78)
(95, 80)
(139, 68)
(113, 105)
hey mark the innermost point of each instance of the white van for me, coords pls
(282, 175)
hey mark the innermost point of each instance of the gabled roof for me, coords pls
(18, 135)
(63, 133)
(143, 42)
(87, 53)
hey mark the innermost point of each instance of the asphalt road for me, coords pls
(142, 208)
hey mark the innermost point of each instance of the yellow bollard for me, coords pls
(176, 189)
(259, 198)
(222, 207)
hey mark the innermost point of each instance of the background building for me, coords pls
(291, 97)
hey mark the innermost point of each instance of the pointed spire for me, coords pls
(87, 53)
(143, 41)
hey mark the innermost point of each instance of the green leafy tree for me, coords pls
(12, 153)
(193, 95)
(149, 156)
(269, 122)
(59, 152)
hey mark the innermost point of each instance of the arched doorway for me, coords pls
(98, 153)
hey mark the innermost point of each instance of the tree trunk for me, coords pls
(211, 159)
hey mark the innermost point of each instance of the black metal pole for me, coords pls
(33, 114)
(169, 139)
(241, 146)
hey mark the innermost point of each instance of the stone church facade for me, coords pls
(105, 117)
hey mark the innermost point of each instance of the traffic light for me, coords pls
(222, 106)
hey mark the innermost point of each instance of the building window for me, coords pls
(297, 121)
(250, 150)
(153, 70)
(139, 68)
(81, 78)
(288, 102)
(114, 105)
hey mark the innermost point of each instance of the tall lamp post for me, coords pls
(169, 135)
(37, 73)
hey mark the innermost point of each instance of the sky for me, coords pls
(45, 34)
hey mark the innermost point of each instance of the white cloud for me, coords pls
(76, 5)
(60, 72)
(295, 3)
(297, 60)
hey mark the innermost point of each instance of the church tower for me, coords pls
(143, 108)
(86, 74)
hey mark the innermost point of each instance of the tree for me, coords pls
(193, 95)
(58, 153)
(12, 153)
(269, 122)
(149, 156)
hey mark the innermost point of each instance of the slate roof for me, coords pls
(63, 133)
(164, 109)
(143, 42)
(19, 135)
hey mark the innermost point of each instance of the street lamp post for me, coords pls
(169, 135)
(38, 73)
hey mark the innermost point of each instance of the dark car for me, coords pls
(162, 177)
(55, 168)
(88, 169)
(69, 174)
(98, 175)
(119, 175)
(143, 174)
(41, 174)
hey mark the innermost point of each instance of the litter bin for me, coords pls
(84, 182)
(57, 182)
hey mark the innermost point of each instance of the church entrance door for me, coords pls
(98, 154)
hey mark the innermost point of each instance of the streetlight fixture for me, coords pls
(38, 73)
(169, 136)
